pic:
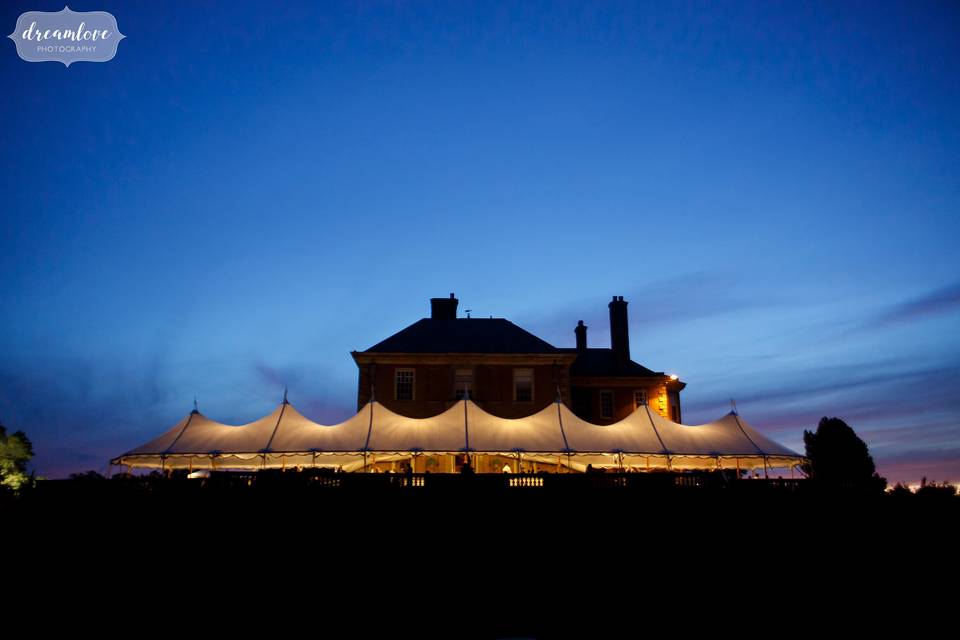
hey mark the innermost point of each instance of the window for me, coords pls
(463, 383)
(675, 406)
(523, 385)
(606, 404)
(403, 384)
(639, 398)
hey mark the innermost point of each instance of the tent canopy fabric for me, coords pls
(285, 438)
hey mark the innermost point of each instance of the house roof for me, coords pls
(463, 335)
(603, 363)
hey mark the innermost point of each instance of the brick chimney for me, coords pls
(443, 308)
(581, 332)
(619, 334)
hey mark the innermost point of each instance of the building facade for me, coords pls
(429, 366)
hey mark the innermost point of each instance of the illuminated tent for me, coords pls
(285, 438)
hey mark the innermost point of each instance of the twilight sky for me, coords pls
(246, 193)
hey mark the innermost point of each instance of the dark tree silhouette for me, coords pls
(901, 491)
(87, 476)
(936, 490)
(839, 459)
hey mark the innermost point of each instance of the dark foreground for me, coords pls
(598, 556)
(548, 507)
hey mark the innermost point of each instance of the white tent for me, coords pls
(285, 438)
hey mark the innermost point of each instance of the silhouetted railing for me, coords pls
(269, 481)
(305, 487)
(524, 480)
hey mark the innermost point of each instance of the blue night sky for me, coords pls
(246, 193)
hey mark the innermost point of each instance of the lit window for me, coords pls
(606, 404)
(523, 385)
(463, 383)
(639, 398)
(403, 387)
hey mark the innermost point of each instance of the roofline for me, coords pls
(599, 381)
(394, 357)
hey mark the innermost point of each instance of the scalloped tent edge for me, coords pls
(285, 438)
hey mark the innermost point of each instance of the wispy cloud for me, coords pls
(666, 301)
(941, 301)
(314, 391)
(871, 380)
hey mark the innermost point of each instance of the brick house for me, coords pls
(427, 367)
